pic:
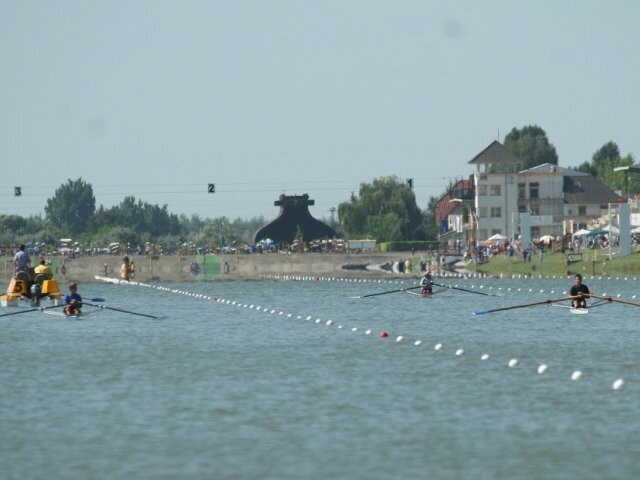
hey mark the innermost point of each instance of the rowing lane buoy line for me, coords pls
(542, 368)
(501, 291)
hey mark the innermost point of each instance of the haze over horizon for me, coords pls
(157, 99)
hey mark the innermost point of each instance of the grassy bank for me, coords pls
(556, 264)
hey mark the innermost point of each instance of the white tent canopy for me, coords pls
(546, 239)
(612, 229)
(496, 237)
(581, 233)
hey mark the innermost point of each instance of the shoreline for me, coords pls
(195, 268)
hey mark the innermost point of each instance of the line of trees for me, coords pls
(72, 212)
(384, 210)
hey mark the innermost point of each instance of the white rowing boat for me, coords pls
(60, 313)
(578, 310)
(573, 310)
(420, 294)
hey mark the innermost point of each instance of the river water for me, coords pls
(290, 379)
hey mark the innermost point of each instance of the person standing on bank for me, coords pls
(72, 301)
(125, 269)
(579, 293)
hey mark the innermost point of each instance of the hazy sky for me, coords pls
(158, 98)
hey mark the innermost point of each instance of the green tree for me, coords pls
(385, 210)
(602, 165)
(72, 207)
(531, 145)
(430, 227)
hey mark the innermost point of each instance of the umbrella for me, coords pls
(581, 233)
(546, 239)
(496, 237)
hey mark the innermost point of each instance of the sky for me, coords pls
(159, 98)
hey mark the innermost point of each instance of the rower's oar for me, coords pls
(610, 299)
(548, 302)
(27, 299)
(30, 310)
(120, 310)
(465, 290)
(389, 291)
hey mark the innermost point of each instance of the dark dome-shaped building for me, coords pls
(294, 217)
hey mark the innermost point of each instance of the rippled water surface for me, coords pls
(290, 379)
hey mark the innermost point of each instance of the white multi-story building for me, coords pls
(558, 200)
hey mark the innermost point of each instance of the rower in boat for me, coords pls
(72, 301)
(426, 283)
(579, 293)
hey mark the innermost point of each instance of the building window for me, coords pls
(534, 190)
(496, 212)
(482, 190)
(534, 209)
(582, 210)
(482, 212)
(522, 191)
(522, 207)
(495, 190)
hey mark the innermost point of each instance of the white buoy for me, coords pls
(618, 384)
(318, 320)
(485, 356)
(354, 329)
(329, 322)
(399, 338)
(576, 375)
(513, 362)
(368, 332)
(309, 317)
(438, 346)
(459, 352)
(417, 343)
(542, 368)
